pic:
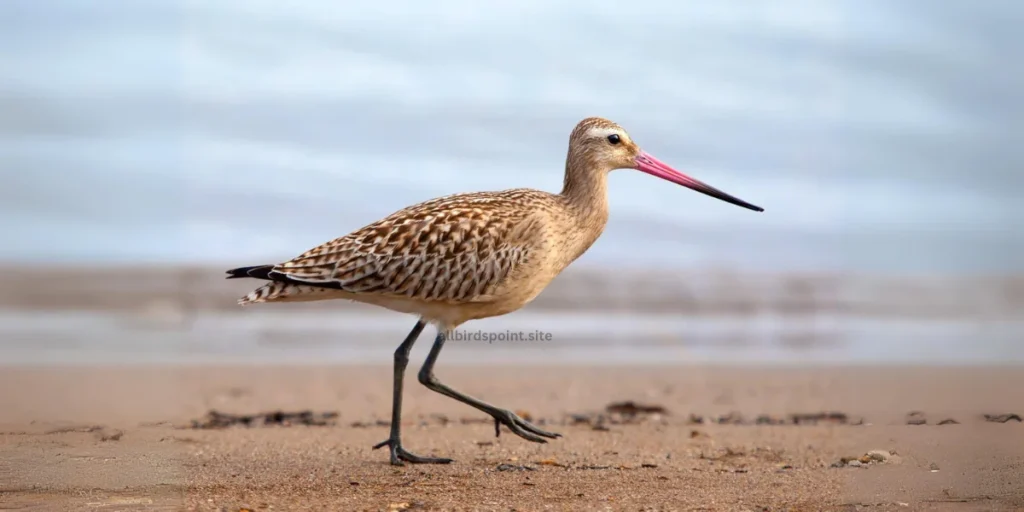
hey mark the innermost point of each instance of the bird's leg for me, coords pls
(394, 441)
(517, 425)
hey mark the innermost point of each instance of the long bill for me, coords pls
(647, 163)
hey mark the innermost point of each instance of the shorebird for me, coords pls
(470, 256)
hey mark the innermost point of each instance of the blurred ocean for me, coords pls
(881, 138)
(89, 316)
(283, 337)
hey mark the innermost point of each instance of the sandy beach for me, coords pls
(123, 438)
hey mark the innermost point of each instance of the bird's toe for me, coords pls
(407, 456)
(521, 427)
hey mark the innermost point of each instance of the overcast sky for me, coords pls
(877, 135)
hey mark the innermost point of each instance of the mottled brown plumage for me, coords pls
(468, 256)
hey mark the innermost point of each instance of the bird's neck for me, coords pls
(585, 186)
(585, 195)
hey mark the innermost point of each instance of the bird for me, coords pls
(468, 256)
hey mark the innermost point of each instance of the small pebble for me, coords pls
(878, 455)
(855, 463)
(916, 418)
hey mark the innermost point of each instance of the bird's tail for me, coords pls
(276, 291)
(255, 272)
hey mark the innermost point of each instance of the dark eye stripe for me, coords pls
(614, 138)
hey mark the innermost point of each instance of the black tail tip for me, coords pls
(236, 273)
(256, 271)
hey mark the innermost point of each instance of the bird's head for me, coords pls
(601, 145)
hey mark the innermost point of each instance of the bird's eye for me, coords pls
(614, 138)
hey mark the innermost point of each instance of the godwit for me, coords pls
(469, 256)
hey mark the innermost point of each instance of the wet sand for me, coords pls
(119, 438)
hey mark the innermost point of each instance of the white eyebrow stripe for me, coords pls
(602, 131)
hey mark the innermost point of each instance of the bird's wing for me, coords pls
(452, 249)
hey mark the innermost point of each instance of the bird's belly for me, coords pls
(517, 291)
(515, 295)
(444, 313)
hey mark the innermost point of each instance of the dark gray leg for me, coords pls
(394, 441)
(517, 425)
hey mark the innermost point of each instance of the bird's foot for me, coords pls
(520, 427)
(399, 454)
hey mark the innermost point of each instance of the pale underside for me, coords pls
(448, 260)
